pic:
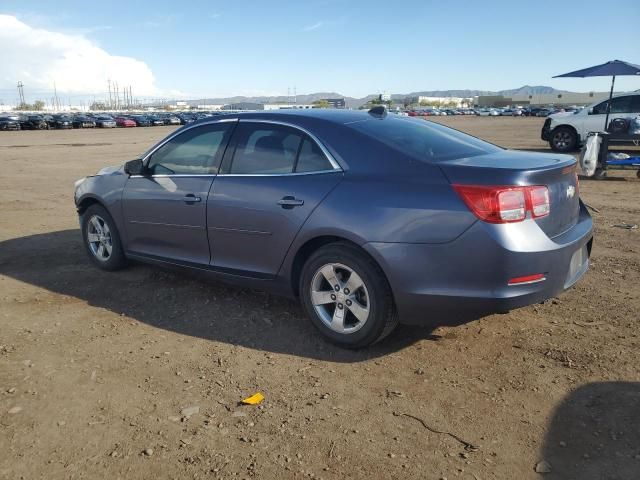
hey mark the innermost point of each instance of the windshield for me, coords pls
(423, 140)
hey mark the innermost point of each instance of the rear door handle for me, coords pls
(191, 198)
(289, 202)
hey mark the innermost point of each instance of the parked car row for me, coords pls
(437, 112)
(491, 111)
(14, 121)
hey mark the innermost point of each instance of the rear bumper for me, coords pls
(460, 281)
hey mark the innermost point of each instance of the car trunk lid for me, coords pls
(508, 167)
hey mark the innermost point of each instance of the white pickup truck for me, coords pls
(565, 132)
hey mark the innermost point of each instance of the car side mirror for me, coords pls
(590, 111)
(134, 167)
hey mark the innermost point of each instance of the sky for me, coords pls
(218, 48)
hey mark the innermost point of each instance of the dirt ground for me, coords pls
(97, 369)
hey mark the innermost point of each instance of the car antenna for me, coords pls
(379, 111)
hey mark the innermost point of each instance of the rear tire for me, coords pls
(563, 139)
(346, 296)
(102, 239)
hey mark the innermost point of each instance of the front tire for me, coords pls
(346, 296)
(563, 139)
(101, 239)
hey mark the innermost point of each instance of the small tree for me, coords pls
(38, 105)
(321, 104)
(377, 101)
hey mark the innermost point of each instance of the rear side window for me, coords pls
(270, 149)
(311, 158)
(635, 104)
(265, 149)
(423, 140)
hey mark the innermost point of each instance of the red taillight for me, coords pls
(505, 204)
(540, 205)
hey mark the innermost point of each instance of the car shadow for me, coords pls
(181, 301)
(595, 434)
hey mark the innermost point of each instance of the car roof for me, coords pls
(339, 117)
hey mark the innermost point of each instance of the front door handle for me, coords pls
(191, 198)
(289, 202)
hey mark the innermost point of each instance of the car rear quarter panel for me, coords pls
(394, 209)
(397, 210)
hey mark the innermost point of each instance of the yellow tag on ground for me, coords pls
(254, 399)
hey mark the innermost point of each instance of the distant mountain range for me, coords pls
(357, 102)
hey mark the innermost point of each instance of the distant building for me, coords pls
(244, 106)
(384, 97)
(285, 106)
(266, 106)
(208, 106)
(559, 99)
(335, 102)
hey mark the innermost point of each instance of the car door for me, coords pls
(165, 209)
(272, 178)
(620, 107)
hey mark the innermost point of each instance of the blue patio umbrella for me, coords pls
(613, 68)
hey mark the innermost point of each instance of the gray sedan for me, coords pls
(369, 219)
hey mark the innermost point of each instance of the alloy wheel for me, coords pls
(99, 238)
(562, 140)
(340, 298)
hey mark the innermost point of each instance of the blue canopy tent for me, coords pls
(613, 68)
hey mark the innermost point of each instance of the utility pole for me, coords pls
(21, 92)
(56, 103)
(110, 100)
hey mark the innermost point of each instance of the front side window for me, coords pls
(618, 105)
(621, 105)
(601, 108)
(195, 152)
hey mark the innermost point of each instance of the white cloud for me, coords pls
(315, 26)
(39, 57)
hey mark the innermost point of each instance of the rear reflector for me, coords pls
(505, 204)
(538, 277)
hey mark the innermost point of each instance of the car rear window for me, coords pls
(423, 140)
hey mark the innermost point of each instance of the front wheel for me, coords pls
(563, 139)
(101, 239)
(346, 296)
